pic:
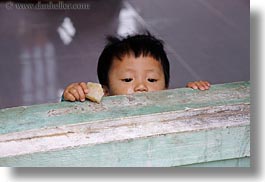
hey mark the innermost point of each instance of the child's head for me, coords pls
(133, 64)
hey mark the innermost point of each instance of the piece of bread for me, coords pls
(95, 92)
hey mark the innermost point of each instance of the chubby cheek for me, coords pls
(121, 90)
(156, 88)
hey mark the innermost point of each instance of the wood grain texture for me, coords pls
(166, 128)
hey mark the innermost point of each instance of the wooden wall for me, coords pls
(179, 127)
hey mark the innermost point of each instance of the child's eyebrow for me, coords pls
(126, 72)
(130, 70)
(151, 70)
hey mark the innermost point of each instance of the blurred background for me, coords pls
(46, 45)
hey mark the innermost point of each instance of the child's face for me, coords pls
(135, 75)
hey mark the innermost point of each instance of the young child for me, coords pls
(130, 65)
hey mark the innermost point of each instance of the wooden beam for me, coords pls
(166, 128)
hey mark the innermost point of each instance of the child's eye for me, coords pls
(152, 80)
(127, 79)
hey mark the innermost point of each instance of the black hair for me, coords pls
(142, 44)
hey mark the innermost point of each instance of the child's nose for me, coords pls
(140, 87)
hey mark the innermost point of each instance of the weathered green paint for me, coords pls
(198, 139)
(47, 115)
(160, 151)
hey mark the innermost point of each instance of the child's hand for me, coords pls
(201, 85)
(76, 92)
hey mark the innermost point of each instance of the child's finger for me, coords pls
(81, 93)
(68, 96)
(192, 85)
(200, 85)
(84, 87)
(207, 83)
(197, 85)
(74, 92)
(204, 85)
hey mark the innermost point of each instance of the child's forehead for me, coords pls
(132, 57)
(131, 62)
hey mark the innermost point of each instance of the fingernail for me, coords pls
(82, 100)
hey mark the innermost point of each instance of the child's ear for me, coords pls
(106, 90)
